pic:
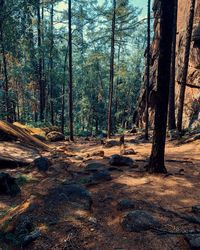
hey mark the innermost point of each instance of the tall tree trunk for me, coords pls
(43, 61)
(171, 116)
(156, 163)
(5, 74)
(112, 59)
(40, 82)
(185, 67)
(51, 65)
(63, 95)
(70, 73)
(148, 70)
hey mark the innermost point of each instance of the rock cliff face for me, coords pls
(192, 97)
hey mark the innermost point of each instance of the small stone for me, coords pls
(42, 164)
(138, 221)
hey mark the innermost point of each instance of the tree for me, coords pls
(112, 58)
(51, 62)
(156, 162)
(148, 69)
(171, 116)
(40, 80)
(70, 73)
(185, 66)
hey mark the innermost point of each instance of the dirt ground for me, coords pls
(64, 227)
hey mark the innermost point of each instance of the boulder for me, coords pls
(8, 185)
(138, 221)
(125, 204)
(196, 209)
(193, 241)
(100, 176)
(119, 160)
(95, 166)
(55, 136)
(42, 164)
(97, 153)
(112, 143)
(129, 152)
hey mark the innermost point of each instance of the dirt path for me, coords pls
(66, 227)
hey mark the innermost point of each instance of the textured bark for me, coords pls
(156, 163)
(112, 59)
(40, 82)
(171, 117)
(51, 65)
(70, 74)
(186, 64)
(148, 70)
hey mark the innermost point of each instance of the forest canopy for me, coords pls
(34, 62)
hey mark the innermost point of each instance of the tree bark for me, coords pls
(112, 59)
(156, 163)
(70, 73)
(148, 69)
(51, 65)
(185, 67)
(171, 116)
(40, 82)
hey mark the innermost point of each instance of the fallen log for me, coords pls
(16, 133)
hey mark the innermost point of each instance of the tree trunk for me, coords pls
(156, 163)
(112, 58)
(5, 75)
(40, 82)
(70, 73)
(63, 95)
(148, 69)
(51, 65)
(171, 116)
(185, 67)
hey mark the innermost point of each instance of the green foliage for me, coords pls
(91, 57)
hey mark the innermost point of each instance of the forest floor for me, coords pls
(169, 198)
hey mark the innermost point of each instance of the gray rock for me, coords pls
(42, 164)
(196, 209)
(55, 136)
(94, 167)
(125, 204)
(119, 160)
(194, 241)
(100, 176)
(129, 152)
(112, 143)
(138, 221)
(79, 158)
(8, 185)
(31, 237)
